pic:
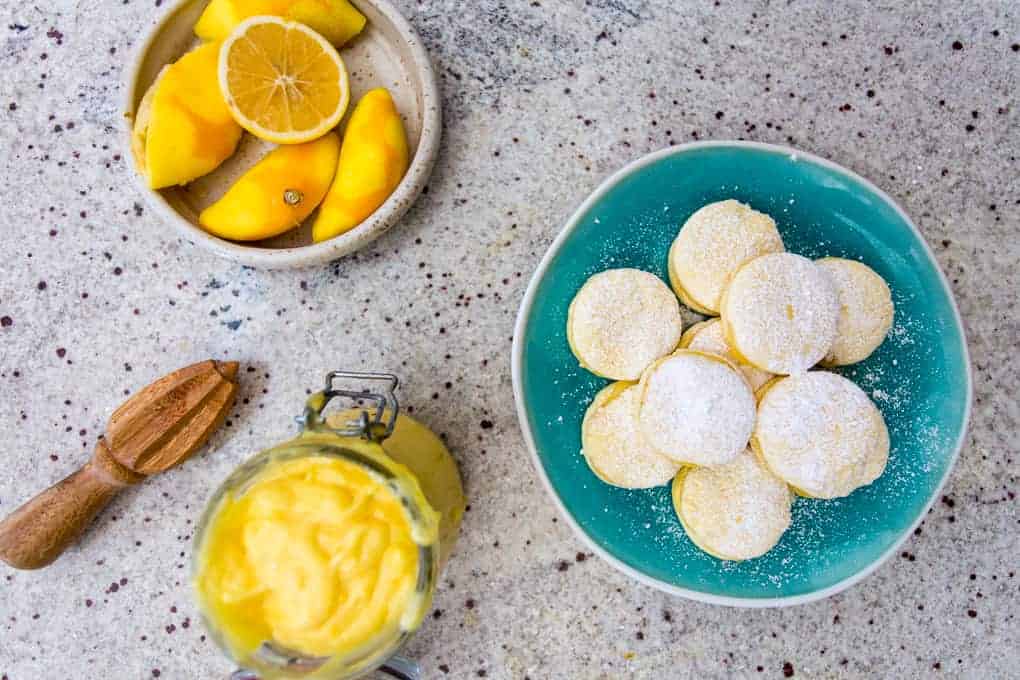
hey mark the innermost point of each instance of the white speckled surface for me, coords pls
(542, 100)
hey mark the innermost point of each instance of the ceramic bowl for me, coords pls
(919, 377)
(388, 53)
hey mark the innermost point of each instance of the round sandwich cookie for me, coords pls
(707, 336)
(821, 434)
(780, 313)
(736, 511)
(695, 408)
(622, 320)
(712, 244)
(614, 448)
(865, 310)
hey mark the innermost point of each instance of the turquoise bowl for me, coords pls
(920, 376)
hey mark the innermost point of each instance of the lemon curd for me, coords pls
(316, 554)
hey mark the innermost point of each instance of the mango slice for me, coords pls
(183, 129)
(373, 160)
(337, 20)
(277, 193)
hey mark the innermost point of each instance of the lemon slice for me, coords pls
(282, 81)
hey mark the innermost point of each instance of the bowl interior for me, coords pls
(381, 56)
(918, 377)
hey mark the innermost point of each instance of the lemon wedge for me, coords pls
(373, 160)
(337, 20)
(182, 128)
(282, 81)
(277, 193)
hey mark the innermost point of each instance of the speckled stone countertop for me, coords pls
(542, 100)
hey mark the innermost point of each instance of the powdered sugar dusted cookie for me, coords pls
(707, 336)
(614, 448)
(695, 408)
(820, 433)
(865, 310)
(712, 244)
(735, 511)
(780, 313)
(622, 320)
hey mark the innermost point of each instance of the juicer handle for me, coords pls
(397, 666)
(40, 530)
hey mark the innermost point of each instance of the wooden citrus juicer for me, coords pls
(155, 429)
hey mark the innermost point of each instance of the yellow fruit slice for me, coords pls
(337, 20)
(140, 129)
(373, 160)
(277, 193)
(183, 129)
(220, 17)
(282, 81)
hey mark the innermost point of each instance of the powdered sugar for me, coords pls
(622, 320)
(898, 377)
(735, 511)
(709, 338)
(696, 409)
(866, 310)
(820, 433)
(713, 243)
(781, 313)
(613, 446)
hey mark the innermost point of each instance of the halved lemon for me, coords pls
(282, 81)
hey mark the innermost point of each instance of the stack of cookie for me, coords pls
(730, 410)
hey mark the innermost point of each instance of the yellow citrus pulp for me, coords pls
(282, 81)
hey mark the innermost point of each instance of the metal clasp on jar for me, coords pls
(375, 389)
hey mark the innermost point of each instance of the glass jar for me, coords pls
(355, 437)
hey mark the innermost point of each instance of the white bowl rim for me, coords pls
(384, 217)
(517, 352)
